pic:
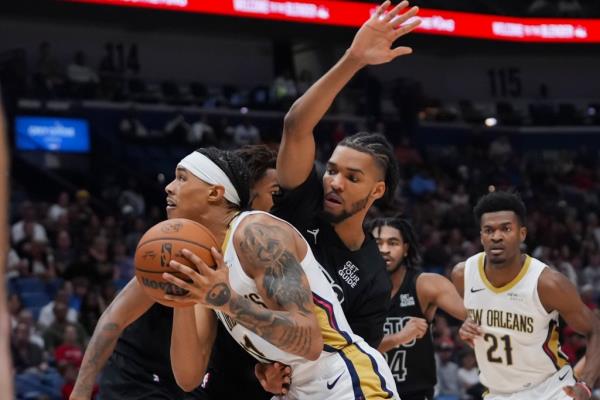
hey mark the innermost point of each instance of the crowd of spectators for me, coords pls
(69, 258)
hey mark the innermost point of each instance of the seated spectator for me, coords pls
(34, 379)
(35, 335)
(64, 254)
(61, 207)
(53, 335)
(178, 129)
(132, 127)
(468, 377)
(48, 314)
(201, 133)
(26, 355)
(69, 351)
(91, 309)
(245, 133)
(124, 266)
(447, 372)
(29, 223)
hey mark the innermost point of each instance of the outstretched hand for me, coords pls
(206, 286)
(373, 42)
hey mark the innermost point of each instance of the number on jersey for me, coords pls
(398, 365)
(507, 359)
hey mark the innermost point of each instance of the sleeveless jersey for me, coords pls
(519, 348)
(413, 363)
(369, 377)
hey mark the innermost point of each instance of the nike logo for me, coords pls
(332, 384)
(560, 378)
(476, 290)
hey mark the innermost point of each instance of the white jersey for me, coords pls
(519, 348)
(347, 368)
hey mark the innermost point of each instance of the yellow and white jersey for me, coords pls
(348, 367)
(519, 348)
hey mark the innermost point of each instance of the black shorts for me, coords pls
(124, 379)
(420, 395)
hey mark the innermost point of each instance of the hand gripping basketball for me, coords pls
(209, 287)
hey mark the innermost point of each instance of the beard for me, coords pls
(345, 214)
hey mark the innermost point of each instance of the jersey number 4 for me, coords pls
(507, 349)
(398, 365)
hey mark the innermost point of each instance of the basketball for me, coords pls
(163, 243)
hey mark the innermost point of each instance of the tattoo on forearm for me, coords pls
(218, 295)
(99, 350)
(284, 282)
(274, 326)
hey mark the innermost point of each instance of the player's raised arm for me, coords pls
(128, 306)
(558, 293)
(372, 44)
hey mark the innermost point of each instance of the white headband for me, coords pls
(205, 169)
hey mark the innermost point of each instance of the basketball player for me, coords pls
(330, 213)
(514, 301)
(408, 344)
(139, 367)
(6, 381)
(268, 291)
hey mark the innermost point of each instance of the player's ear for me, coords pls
(378, 190)
(522, 233)
(216, 193)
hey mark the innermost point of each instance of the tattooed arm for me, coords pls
(269, 251)
(128, 306)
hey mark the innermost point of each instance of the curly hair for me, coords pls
(413, 256)
(235, 169)
(501, 201)
(258, 158)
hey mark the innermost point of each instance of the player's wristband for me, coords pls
(586, 387)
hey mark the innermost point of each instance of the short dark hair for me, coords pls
(234, 168)
(258, 158)
(382, 151)
(413, 256)
(501, 201)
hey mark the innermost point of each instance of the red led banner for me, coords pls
(349, 13)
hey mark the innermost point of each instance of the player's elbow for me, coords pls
(188, 382)
(290, 121)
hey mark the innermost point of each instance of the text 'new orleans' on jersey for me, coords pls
(519, 347)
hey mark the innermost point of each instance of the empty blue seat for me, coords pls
(30, 285)
(34, 299)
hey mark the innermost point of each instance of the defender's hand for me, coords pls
(469, 331)
(373, 42)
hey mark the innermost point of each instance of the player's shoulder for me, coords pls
(552, 280)
(261, 222)
(459, 269)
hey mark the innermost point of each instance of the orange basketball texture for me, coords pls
(163, 243)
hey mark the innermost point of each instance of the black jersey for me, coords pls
(230, 372)
(147, 342)
(412, 364)
(359, 277)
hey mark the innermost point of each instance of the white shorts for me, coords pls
(550, 389)
(357, 372)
